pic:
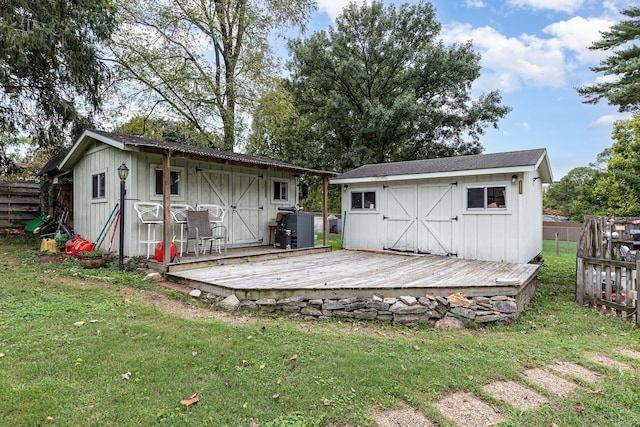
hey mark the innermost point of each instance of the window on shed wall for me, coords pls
(480, 198)
(280, 191)
(361, 200)
(174, 184)
(98, 185)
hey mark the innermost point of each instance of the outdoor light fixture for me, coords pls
(123, 172)
(514, 178)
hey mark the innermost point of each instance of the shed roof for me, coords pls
(508, 162)
(142, 144)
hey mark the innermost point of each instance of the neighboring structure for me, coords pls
(249, 188)
(485, 207)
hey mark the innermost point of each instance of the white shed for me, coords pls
(484, 207)
(249, 188)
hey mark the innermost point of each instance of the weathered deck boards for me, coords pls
(359, 273)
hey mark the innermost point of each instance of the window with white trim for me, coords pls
(280, 191)
(174, 182)
(486, 197)
(98, 185)
(363, 200)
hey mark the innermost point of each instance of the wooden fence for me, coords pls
(19, 203)
(565, 231)
(607, 265)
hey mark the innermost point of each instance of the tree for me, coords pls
(561, 195)
(201, 60)
(166, 130)
(622, 69)
(615, 191)
(380, 87)
(51, 75)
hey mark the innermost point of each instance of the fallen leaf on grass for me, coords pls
(551, 424)
(194, 353)
(195, 397)
(275, 396)
(78, 362)
(79, 323)
(556, 323)
(294, 357)
(278, 381)
(579, 408)
(416, 347)
(126, 376)
(598, 391)
(327, 402)
(263, 365)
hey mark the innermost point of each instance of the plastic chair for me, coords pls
(200, 229)
(179, 217)
(150, 214)
(216, 212)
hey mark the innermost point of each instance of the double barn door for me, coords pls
(420, 218)
(239, 195)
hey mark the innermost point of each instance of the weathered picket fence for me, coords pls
(607, 264)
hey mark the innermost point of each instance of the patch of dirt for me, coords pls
(515, 394)
(404, 417)
(467, 411)
(574, 370)
(55, 257)
(629, 352)
(605, 361)
(548, 381)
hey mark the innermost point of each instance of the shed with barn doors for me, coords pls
(484, 207)
(249, 188)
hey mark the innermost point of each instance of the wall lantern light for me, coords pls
(514, 178)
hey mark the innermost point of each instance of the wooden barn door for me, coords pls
(400, 217)
(246, 209)
(436, 219)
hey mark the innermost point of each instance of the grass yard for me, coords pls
(103, 348)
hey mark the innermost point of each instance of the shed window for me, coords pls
(174, 184)
(363, 200)
(280, 191)
(98, 184)
(486, 197)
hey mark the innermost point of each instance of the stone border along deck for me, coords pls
(447, 313)
(468, 411)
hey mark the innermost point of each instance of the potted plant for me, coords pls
(92, 259)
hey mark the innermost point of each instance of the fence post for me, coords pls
(557, 244)
(580, 277)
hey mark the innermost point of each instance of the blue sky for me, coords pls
(535, 53)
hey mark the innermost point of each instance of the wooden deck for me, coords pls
(348, 273)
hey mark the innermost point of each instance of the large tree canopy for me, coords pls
(51, 76)
(621, 69)
(381, 87)
(200, 60)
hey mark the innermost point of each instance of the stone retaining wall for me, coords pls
(453, 311)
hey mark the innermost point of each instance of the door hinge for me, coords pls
(261, 207)
(384, 217)
(455, 218)
(384, 187)
(454, 183)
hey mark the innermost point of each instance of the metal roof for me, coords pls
(204, 153)
(525, 159)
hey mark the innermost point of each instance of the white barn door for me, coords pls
(246, 209)
(436, 219)
(400, 217)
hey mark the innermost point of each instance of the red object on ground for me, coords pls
(81, 245)
(158, 253)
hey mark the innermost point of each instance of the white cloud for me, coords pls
(577, 34)
(333, 8)
(568, 6)
(523, 125)
(608, 120)
(509, 62)
(475, 4)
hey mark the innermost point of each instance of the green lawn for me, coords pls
(57, 371)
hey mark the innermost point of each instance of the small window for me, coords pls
(174, 184)
(486, 197)
(280, 191)
(361, 200)
(98, 186)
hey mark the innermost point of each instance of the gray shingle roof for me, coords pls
(142, 142)
(447, 164)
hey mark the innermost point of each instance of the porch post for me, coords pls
(166, 202)
(325, 208)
